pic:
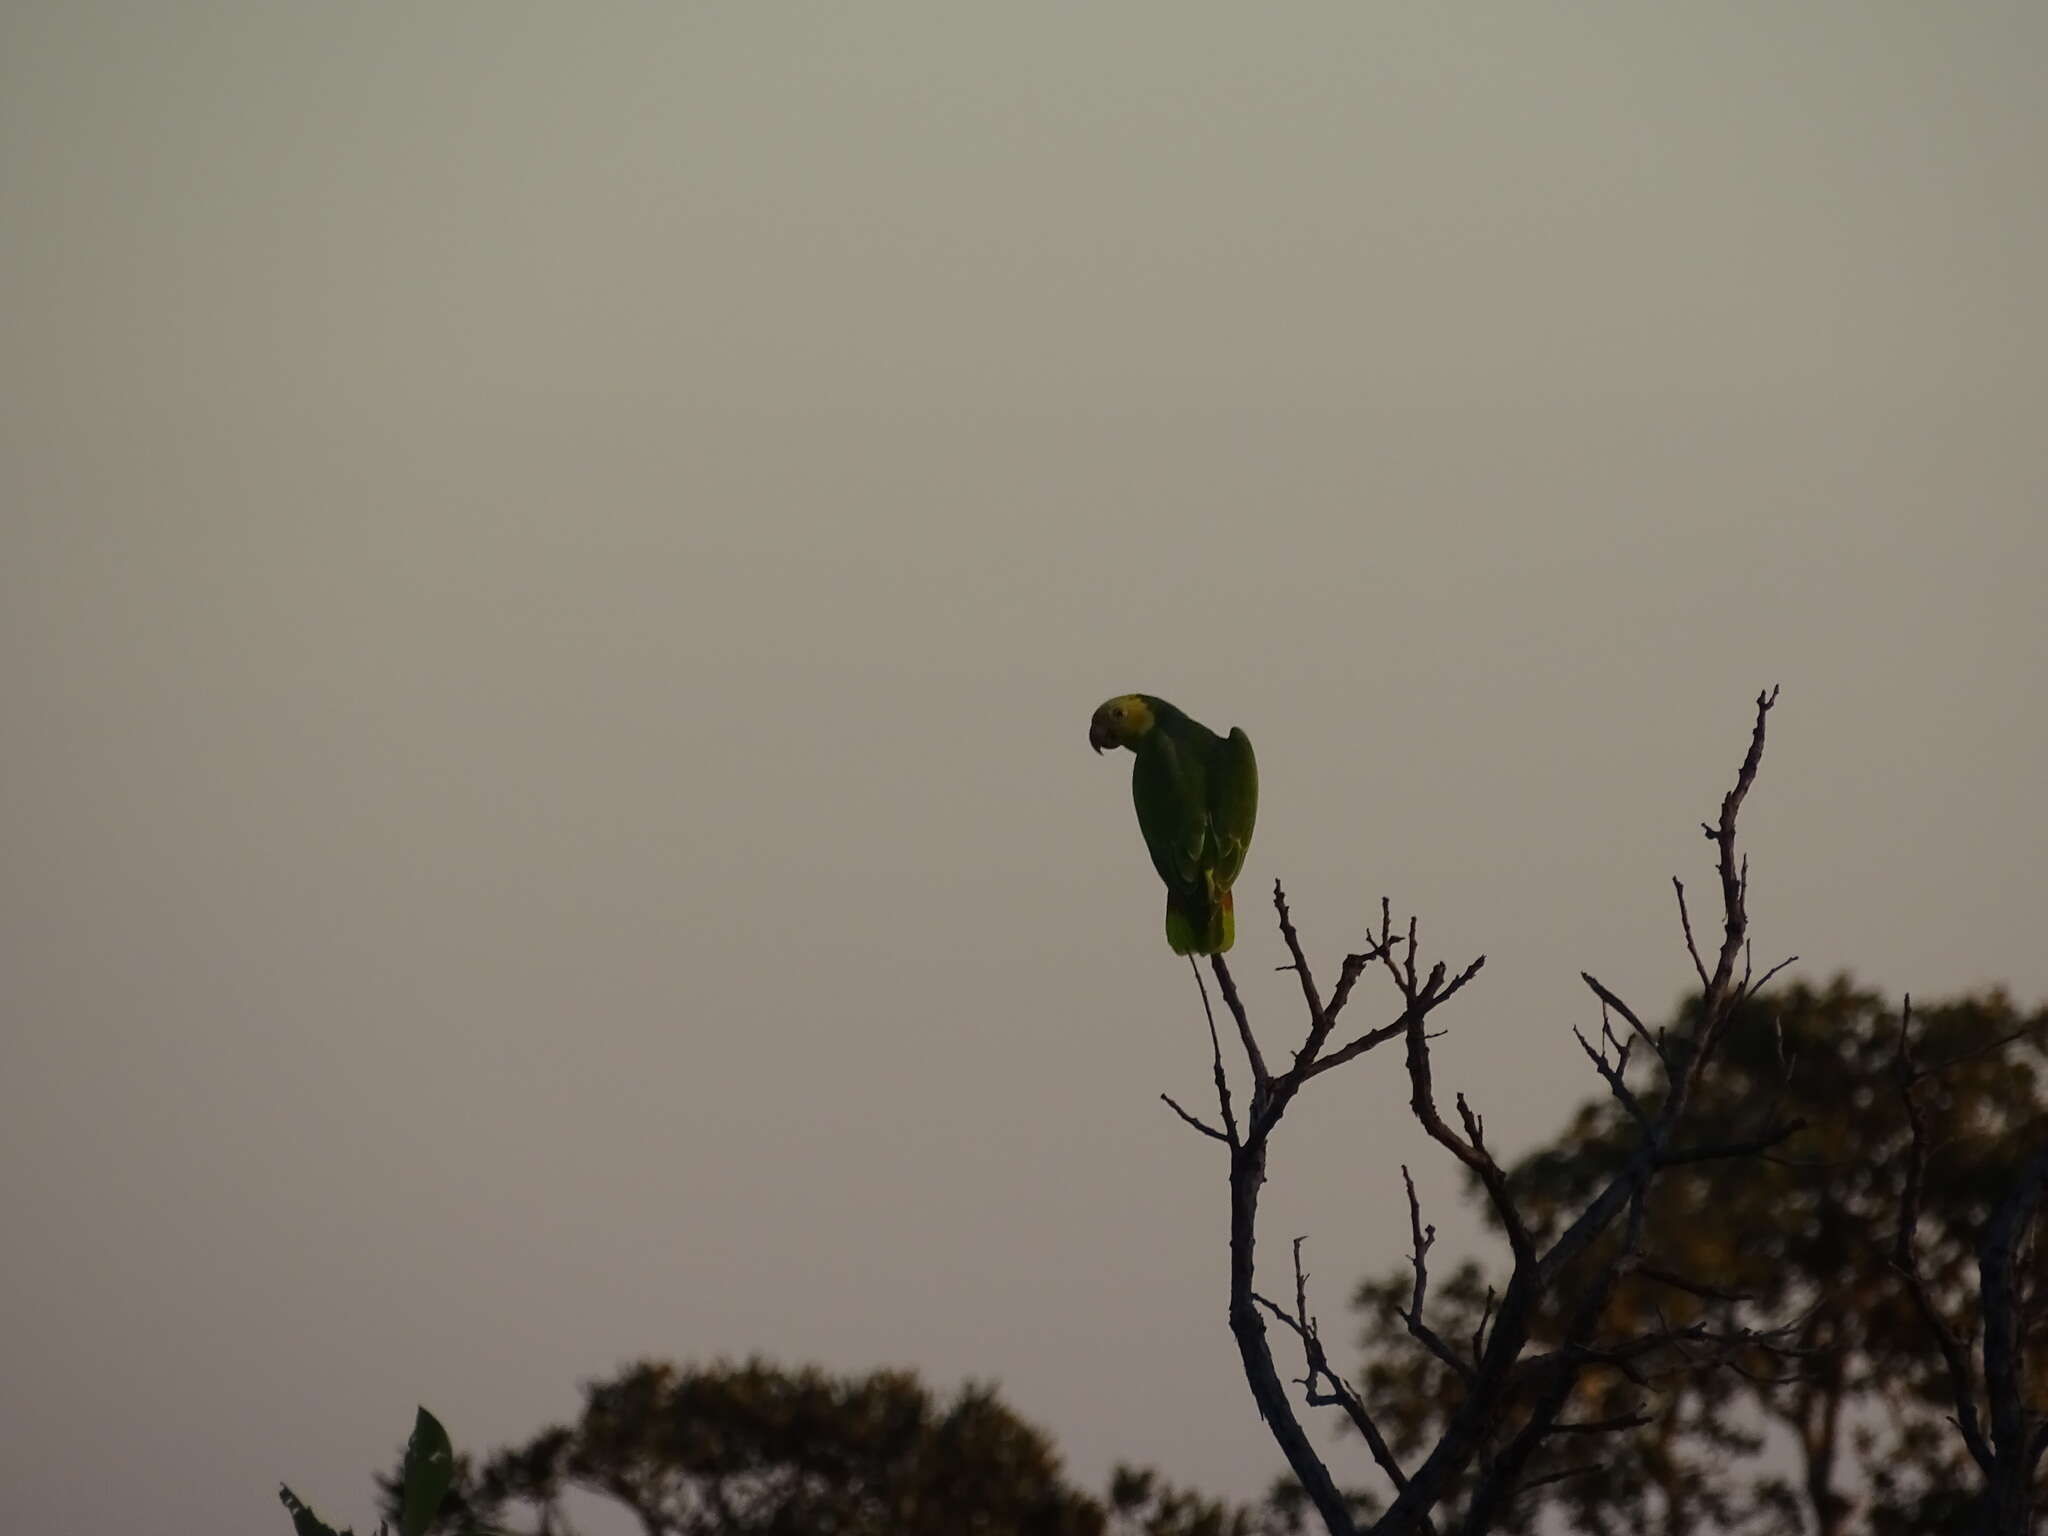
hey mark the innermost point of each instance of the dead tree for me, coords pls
(1510, 1431)
(2004, 1433)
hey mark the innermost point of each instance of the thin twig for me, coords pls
(1216, 1055)
(1479, 1333)
(1579, 1469)
(1614, 1073)
(1424, 1240)
(1609, 999)
(1751, 990)
(1692, 1287)
(1318, 1021)
(1988, 1048)
(1204, 1128)
(1340, 1394)
(1723, 1150)
(1685, 922)
(1634, 1419)
(1353, 1049)
(1261, 1078)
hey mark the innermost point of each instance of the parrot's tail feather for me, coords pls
(1198, 926)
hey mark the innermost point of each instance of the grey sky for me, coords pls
(556, 561)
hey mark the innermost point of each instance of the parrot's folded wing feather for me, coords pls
(1234, 803)
(1172, 812)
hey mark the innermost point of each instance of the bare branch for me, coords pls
(1347, 978)
(1988, 1048)
(1479, 1333)
(1612, 1424)
(1634, 1419)
(1697, 1288)
(1424, 1239)
(1734, 876)
(1614, 1073)
(1723, 1150)
(1610, 1000)
(1578, 1469)
(1255, 1352)
(1319, 1369)
(1749, 991)
(1628, 1189)
(1458, 981)
(1472, 1153)
(1225, 983)
(1502, 1382)
(1205, 1129)
(1354, 1049)
(1319, 1023)
(1323, 1018)
(1685, 922)
(1216, 1055)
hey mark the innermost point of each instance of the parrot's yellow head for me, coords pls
(1120, 722)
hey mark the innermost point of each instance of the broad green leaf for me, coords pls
(429, 1469)
(304, 1521)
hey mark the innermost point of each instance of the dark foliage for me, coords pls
(757, 1450)
(1807, 1233)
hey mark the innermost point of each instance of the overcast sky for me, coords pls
(555, 565)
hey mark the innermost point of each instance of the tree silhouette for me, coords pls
(1524, 1411)
(1996, 1408)
(1809, 1233)
(756, 1450)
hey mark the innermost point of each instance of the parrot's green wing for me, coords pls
(1233, 804)
(1197, 795)
(1166, 788)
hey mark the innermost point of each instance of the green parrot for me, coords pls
(1197, 794)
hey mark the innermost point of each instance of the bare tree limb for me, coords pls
(1691, 1287)
(1988, 1048)
(1356, 1048)
(1319, 1369)
(1750, 990)
(1615, 1074)
(1685, 922)
(1577, 1469)
(1203, 1127)
(1424, 1238)
(1721, 1151)
(1479, 1333)
(1216, 1055)
(1261, 1078)
(1610, 1000)
(1472, 1153)
(1634, 1419)
(1734, 876)
(1318, 1017)
(1512, 1398)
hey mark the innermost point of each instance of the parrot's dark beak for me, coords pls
(1098, 734)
